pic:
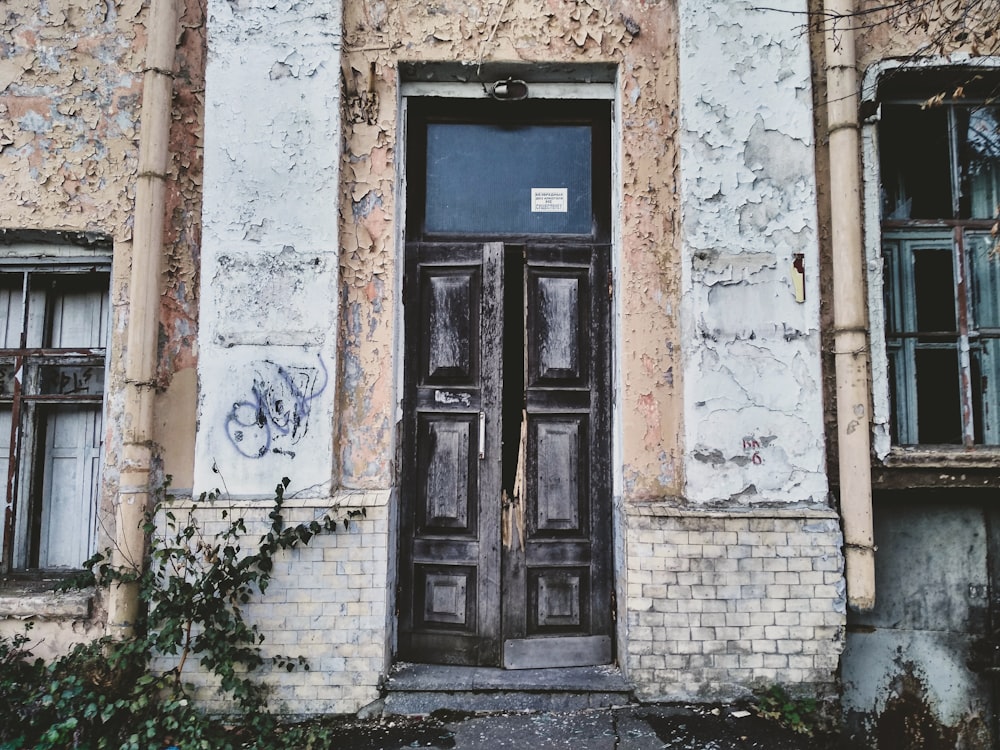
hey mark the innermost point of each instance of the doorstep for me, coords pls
(421, 689)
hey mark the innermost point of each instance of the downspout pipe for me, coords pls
(850, 319)
(143, 312)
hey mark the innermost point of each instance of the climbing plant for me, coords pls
(195, 586)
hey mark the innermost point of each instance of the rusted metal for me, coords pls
(6, 561)
(14, 452)
(984, 224)
(61, 354)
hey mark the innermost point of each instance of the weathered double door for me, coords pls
(506, 543)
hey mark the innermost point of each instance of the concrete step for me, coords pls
(421, 689)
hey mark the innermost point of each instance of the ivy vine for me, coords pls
(195, 587)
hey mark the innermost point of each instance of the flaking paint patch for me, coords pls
(638, 36)
(270, 259)
(748, 194)
(71, 75)
(182, 231)
(69, 94)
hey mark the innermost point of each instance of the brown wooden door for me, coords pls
(505, 546)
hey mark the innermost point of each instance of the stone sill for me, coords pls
(667, 508)
(294, 499)
(24, 599)
(943, 457)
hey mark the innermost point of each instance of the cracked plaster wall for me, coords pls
(70, 98)
(70, 91)
(640, 37)
(268, 344)
(71, 74)
(753, 394)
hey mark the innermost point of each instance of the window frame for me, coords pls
(597, 114)
(876, 232)
(52, 260)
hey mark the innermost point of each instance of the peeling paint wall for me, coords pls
(911, 671)
(70, 95)
(280, 334)
(176, 376)
(268, 307)
(753, 409)
(70, 85)
(638, 36)
(270, 362)
(915, 670)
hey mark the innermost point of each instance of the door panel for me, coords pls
(447, 473)
(557, 584)
(560, 504)
(451, 303)
(506, 539)
(449, 593)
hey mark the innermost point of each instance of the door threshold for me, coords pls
(421, 689)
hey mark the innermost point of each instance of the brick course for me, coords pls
(326, 601)
(759, 600)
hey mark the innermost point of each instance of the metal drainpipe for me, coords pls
(143, 310)
(850, 320)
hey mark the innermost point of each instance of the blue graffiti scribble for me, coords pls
(275, 415)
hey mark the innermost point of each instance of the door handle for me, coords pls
(482, 435)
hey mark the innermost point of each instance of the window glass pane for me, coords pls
(916, 173)
(985, 390)
(70, 380)
(900, 422)
(934, 289)
(77, 312)
(7, 368)
(984, 260)
(72, 442)
(938, 404)
(508, 179)
(5, 417)
(10, 310)
(979, 149)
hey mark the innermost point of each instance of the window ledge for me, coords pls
(943, 457)
(25, 599)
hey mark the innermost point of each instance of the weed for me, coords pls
(798, 714)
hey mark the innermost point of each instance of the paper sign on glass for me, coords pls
(549, 200)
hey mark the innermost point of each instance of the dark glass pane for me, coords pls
(939, 408)
(76, 314)
(896, 417)
(7, 369)
(985, 265)
(916, 176)
(10, 310)
(496, 179)
(979, 150)
(891, 289)
(979, 385)
(935, 290)
(70, 380)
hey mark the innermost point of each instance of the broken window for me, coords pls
(940, 170)
(53, 332)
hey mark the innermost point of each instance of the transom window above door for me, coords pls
(540, 161)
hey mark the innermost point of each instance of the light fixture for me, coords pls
(510, 90)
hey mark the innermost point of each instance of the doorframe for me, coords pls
(546, 81)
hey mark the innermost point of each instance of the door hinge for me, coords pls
(611, 285)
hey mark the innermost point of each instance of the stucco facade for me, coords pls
(280, 343)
